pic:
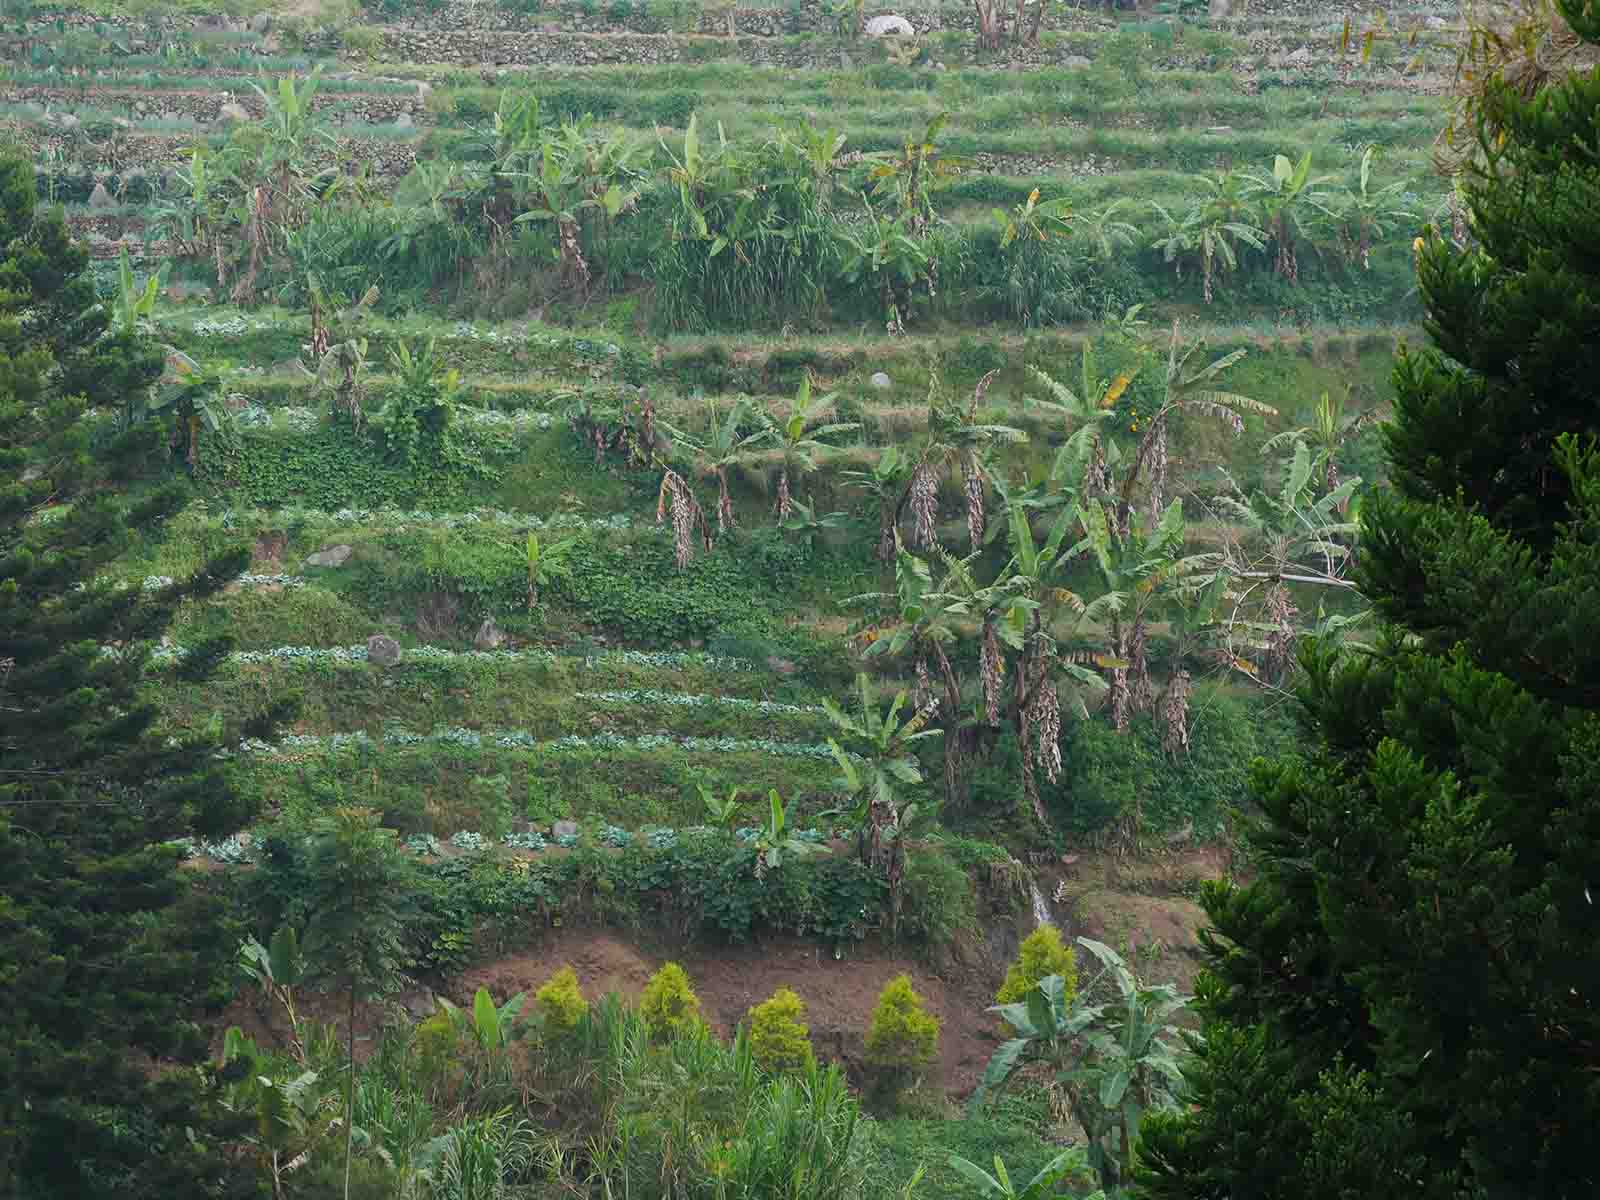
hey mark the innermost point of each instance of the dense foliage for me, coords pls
(1416, 962)
(109, 952)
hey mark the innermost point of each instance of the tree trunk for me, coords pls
(1117, 699)
(350, 1088)
(952, 727)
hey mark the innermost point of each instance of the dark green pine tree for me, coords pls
(1406, 1000)
(107, 949)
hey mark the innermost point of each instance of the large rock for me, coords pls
(890, 27)
(329, 556)
(563, 829)
(489, 635)
(261, 22)
(382, 651)
(232, 112)
(1076, 62)
(100, 198)
(881, 381)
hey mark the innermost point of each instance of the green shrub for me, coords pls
(365, 40)
(561, 1002)
(903, 1035)
(1042, 954)
(669, 1006)
(938, 900)
(779, 1037)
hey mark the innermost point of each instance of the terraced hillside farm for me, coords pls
(726, 483)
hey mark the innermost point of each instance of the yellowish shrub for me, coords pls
(561, 1001)
(779, 1037)
(669, 1006)
(1042, 954)
(903, 1035)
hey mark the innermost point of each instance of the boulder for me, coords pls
(382, 651)
(261, 22)
(489, 636)
(1299, 58)
(233, 112)
(881, 381)
(889, 27)
(100, 198)
(563, 829)
(329, 556)
(1076, 62)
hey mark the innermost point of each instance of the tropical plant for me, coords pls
(800, 440)
(133, 305)
(1364, 215)
(724, 812)
(1112, 1049)
(1044, 1185)
(885, 483)
(277, 970)
(290, 1117)
(1210, 229)
(959, 442)
(1330, 431)
(913, 175)
(879, 761)
(1033, 220)
(890, 257)
(775, 840)
(728, 447)
(688, 517)
(338, 366)
(546, 562)
(1103, 230)
(1291, 202)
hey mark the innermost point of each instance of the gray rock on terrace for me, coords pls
(100, 198)
(881, 381)
(329, 556)
(563, 829)
(382, 651)
(890, 27)
(489, 636)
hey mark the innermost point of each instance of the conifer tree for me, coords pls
(1406, 1000)
(106, 948)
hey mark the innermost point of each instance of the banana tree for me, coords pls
(871, 775)
(885, 484)
(727, 447)
(888, 256)
(292, 1116)
(1104, 231)
(958, 442)
(1023, 612)
(915, 173)
(1144, 565)
(800, 440)
(723, 812)
(492, 1027)
(193, 396)
(1113, 1046)
(1043, 1186)
(277, 970)
(133, 305)
(1033, 220)
(775, 841)
(1364, 214)
(336, 357)
(546, 562)
(1089, 458)
(1291, 201)
(1329, 432)
(1190, 390)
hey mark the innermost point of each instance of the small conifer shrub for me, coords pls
(1042, 954)
(903, 1036)
(779, 1037)
(561, 1001)
(669, 1006)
